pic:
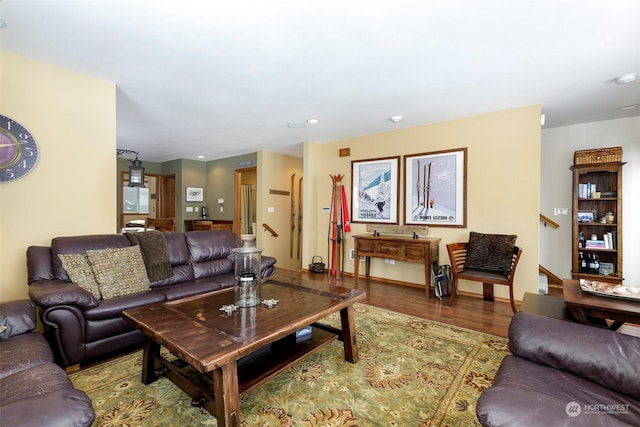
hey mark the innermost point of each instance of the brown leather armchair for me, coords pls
(561, 373)
(35, 391)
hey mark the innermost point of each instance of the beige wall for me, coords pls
(71, 190)
(274, 172)
(503, 185)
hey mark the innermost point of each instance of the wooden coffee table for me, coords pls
(594, 310)
(238, 352)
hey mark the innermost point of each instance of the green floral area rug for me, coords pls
(412, 372)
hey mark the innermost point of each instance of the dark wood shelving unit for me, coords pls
(607, 179)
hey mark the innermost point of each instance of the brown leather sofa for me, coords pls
(34, 391)
(80, 327)
(564, 374)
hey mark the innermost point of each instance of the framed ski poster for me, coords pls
(436, 188)
(375, 190)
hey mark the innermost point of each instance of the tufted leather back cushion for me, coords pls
(600, 355)
(211, 252)
(39, 263)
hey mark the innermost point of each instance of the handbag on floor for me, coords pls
(316, 266)
(443, 281)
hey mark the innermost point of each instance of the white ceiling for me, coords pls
(220, 79)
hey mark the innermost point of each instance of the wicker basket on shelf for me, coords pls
(597, 156)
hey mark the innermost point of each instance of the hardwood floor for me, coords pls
(468, 311)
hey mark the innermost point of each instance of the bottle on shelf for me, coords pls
(589, 263)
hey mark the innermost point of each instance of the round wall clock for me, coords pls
(18, 150)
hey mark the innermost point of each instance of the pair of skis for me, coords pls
(338, 225)
(293, 216)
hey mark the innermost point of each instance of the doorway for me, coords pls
(155, 200)
(167, 193)
(245, 200)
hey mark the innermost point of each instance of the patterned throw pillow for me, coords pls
(79, 271)
(493, 252)
(119, 271)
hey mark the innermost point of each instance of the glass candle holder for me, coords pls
(609, 217)
(247, 271)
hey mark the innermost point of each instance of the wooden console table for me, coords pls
(423, 250)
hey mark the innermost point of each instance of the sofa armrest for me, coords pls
(603, 356)
(70, 407)
(16, 318)
(267, 266)
(49, 293)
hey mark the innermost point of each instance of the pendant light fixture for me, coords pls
(136, 170)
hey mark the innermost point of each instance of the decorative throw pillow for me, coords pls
(79, 271)
(119, 271)
(492, 252)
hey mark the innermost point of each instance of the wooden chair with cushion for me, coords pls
(160, 224)
(489, 276)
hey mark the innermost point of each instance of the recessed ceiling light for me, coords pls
(626, 78)
(313, 121)
(396, 119)
(543, 118)
(201, 157)
(628, 107)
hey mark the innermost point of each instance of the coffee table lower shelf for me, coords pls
(253, 369)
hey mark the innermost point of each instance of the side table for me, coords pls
(546, 305)
(595, 310)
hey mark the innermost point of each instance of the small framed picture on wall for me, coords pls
(195, 194)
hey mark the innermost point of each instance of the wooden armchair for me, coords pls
(160, 224)
(458, 255)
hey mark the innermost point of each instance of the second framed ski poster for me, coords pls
(436, 188)
(375, 185)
